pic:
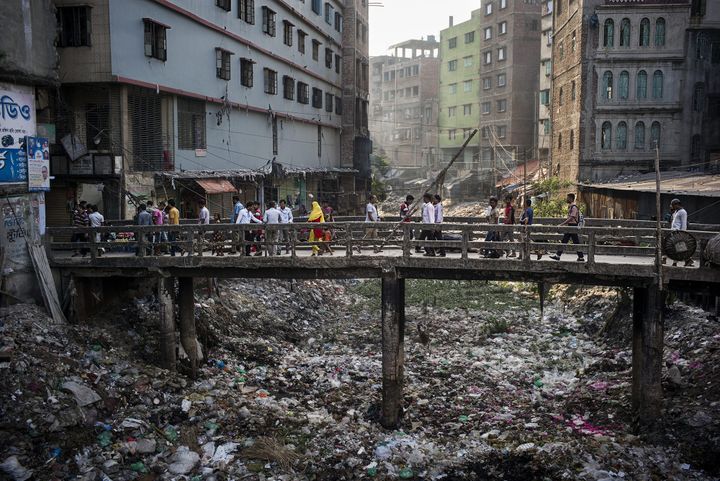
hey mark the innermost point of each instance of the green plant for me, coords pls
(553, 204)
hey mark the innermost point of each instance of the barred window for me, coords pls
(317, 98)
(271, 81)
(246, 11)
(155, 40)
(338, 106)
(288, 87)
(329, 102)
(287, 33)
(224, 4)
(303, 93)
(191, 124)
(222, 63)
(246, 72)
(74, 26)
(268, 25)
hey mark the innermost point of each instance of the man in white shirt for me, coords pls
(437, 204)
(371, 216)
(272, 217)
(286, 217)
(245, 216)
(96, 220)
(428, 217)
(679, 222)
(204, 216)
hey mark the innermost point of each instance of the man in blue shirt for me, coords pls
(236, 210)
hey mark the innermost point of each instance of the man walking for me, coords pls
(527, 218)
(246, 216)
(80, 219)
(492, 214)
(428, 220)
(272, 217)
(173, 219)
(371, 217)
(286, 217)
(96, 220)
(204, 215)
(573, 220)
(237, 207)
(679, 222)
(438, 211)
(406, 216)
(509, 219)
(144, 218)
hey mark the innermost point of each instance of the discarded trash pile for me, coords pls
(291, 391)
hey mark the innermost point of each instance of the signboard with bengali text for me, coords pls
(17, 121)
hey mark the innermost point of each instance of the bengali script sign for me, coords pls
(38, 155)
(17, 121)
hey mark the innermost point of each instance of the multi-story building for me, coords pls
(404, 106)
(489, 80)
(543, 136)
(630, 77)
(204, 99)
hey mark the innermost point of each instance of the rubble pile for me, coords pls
(290, 389)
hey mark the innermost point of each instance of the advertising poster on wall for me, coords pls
(38, 158)
(17, 121)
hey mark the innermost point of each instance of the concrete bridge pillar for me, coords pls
(393, 349)
(188, 337)
(166, 308)
(648, 339)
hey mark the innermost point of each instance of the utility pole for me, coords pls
(658, 215)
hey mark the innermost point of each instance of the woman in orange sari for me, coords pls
(316, 235)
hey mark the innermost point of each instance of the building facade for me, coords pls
(544, 126)
(404, 107)
(489, 80)
(154, 87)
(635, 76)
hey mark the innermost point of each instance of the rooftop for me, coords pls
(681, 183)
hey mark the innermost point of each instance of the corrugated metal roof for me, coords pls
(685, 183)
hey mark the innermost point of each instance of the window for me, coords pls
(338, 106)
(696, 148)
(501, 131)
(572, 41)
(572, 90)
(561, 49)
(338, 63)
(315, 50)
(607, 85)
(303, 93)
(660, 32)
(625, 32)
(560, 96)
(155, 40)
(487, 83)
(191, 124)
(572, 140)
(329, 102)
(275, 142)
(487, 33)
(74, 26)
(548, 67)
(501, 80)
(222, 63)
(609, 33)
(271, 81)
(467, 86)
(415, 91)
(470, 37)
(452, 89)
(546, 126)
(246, 72)
(644, 32)
(452, 134)
(301, 35)
(502, 28)
(548, 37)
(328, 58)
(246, 11)
(319, 140)
(699, 97)
(224, 4)
(488, 8)
(317, 98)
(452, 65)
(545, 97)
(657, 84)
(641, 87)
(558, 6)
(416, 70)
(452, 43)
(503, 4)
(316, 6)
(467, 62)
(655, 135)
(560, 134)
(623, 85)
(485, 132)
(502, 54)
(467, 109)
(268, 21)
(701, 46)
(288, 87)
(606, 136)
(338, 22)
(466, 133)
(329, 15)
(487, 58)
(287, 33)
(501, 105)
(640, 136)
(621, 142)
(698, 8)
(485, 108)
(452, 111)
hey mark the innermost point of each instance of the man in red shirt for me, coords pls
(509, 219)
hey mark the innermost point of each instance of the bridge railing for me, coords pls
(351, 239)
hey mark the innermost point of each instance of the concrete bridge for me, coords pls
(617, 253)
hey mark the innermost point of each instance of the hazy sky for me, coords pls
(401, 20)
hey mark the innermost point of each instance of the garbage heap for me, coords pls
(291, 390)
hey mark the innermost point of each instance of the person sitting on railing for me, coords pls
(428, 218)
(573, 220)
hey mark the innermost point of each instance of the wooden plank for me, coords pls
(393, 350)
(46, 282)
